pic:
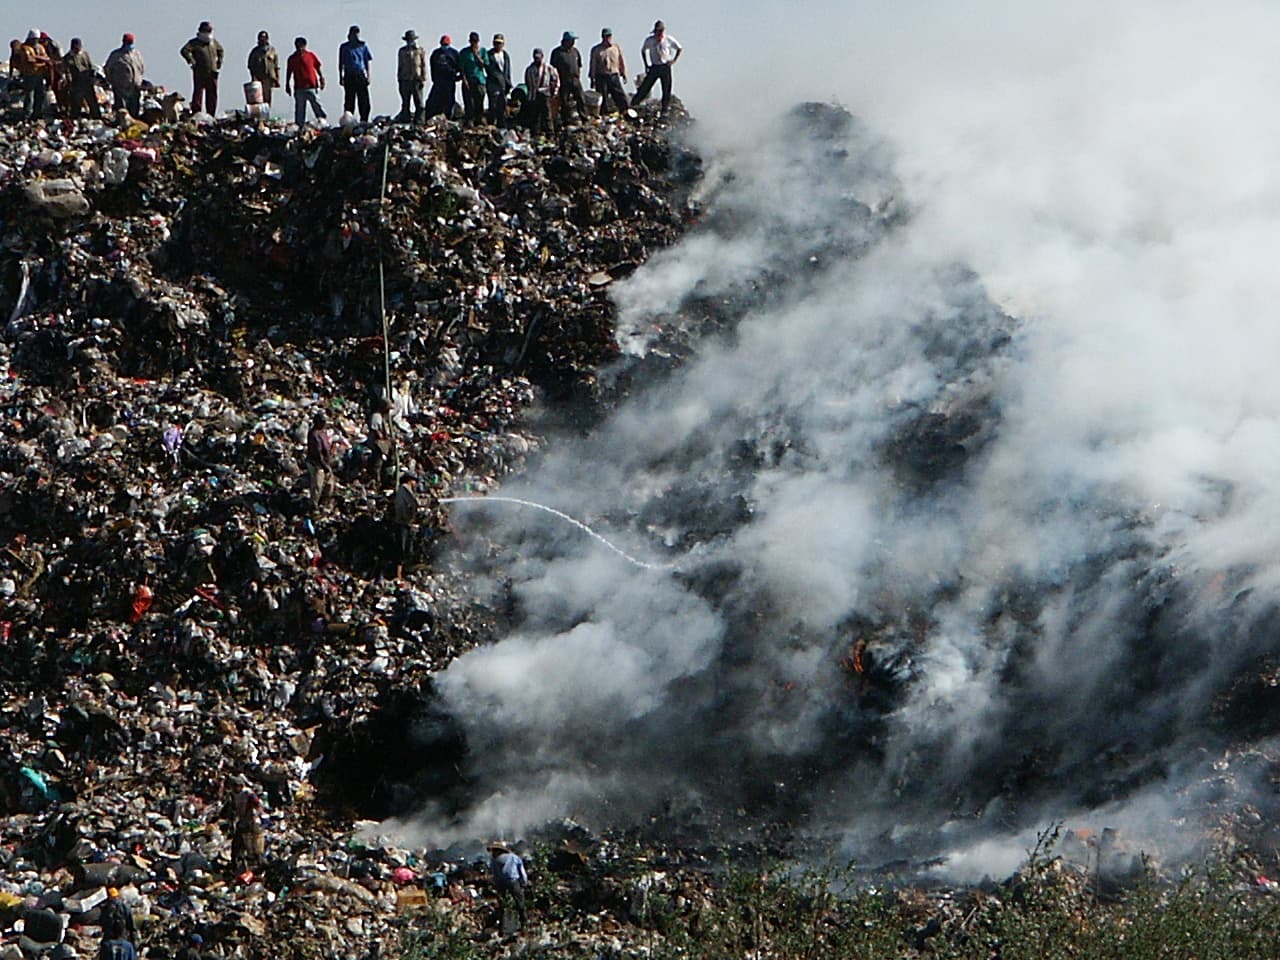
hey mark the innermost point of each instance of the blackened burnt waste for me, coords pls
(854, 625)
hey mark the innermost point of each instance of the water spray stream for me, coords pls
(568, 519)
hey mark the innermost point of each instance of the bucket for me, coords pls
(252, 93)
(592, 98)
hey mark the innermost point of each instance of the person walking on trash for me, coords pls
(320, 460)
(204, 56)
(543, 84)
(83, 95)
(510, 880)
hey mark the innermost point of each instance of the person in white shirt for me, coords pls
(659, 52)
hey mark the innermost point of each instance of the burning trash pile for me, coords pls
(189, 634)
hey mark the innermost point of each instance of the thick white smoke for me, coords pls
(1056, 533)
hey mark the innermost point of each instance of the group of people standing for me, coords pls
(551, 85)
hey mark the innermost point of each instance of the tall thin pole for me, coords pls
(382, 305)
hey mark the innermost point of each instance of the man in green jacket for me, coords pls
(474, 62)
(204, 55)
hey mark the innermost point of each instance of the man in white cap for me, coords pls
(659, 53)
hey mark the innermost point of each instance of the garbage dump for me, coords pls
(192, 640)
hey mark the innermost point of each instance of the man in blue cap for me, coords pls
(567, 61)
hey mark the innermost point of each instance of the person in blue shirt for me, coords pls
(509, 879)
(353, 73)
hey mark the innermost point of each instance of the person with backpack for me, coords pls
(116, 918)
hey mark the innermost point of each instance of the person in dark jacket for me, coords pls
(80, 69)
(353, 73)
(404, 515)
(264, 66)
(443, 98)
(499, 80)
(543, 84)
(116, 918)
(473, 62)
(204, 56)
(567, 60)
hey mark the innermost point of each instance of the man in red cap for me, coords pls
(124, 71)
(204, 56)
(445, 73)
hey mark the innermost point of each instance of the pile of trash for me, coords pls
(188, 633)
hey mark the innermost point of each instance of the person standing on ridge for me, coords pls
(32, 65)
(567, 61)
(306, 74)
(204, 56)
(474, 64)
(411, 74)
(264, 66)
(543, 84)
(499, 81)
(659, 53)
(124, 70)
(83, 94)
(608, 72)
(353, 73)
(443, 98)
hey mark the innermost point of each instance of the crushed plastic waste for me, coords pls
(185, 626)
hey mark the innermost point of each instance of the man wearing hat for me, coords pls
(474, 63)
(264, 66)
(567, 61)
(353, 73)
(498, 80)
(509, 879)
(404, 514)
(411, 73)
(443, 97)
(124, 70)
(204, 56)
(608, 72)
(659, 53)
